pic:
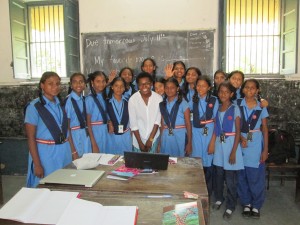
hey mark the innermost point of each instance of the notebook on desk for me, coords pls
(143, 160)
(85, 178)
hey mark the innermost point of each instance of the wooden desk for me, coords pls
(186, 175)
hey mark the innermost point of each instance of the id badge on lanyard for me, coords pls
(120, 128)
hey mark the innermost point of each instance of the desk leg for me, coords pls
(297, 198)
(206, 209)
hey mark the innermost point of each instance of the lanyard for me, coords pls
(222, 119)
(190, 94)
(249, 118)
(119, 113)
(58, 116)
(204, 112)
(171, 115)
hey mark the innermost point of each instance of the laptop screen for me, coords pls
(143, 160)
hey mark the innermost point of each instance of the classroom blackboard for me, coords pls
(115, 50)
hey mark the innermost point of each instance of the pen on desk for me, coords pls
(158, 196)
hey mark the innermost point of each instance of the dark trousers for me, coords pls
(251, 187)
(231, 179)
(208, 172)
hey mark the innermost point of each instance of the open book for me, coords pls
(185, 213)
(43, 206)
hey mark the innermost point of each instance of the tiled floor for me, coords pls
(279, 208)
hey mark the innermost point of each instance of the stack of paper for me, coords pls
(92, 160)
(43, 206)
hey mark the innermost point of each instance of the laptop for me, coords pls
(85, 178)
(143, 160)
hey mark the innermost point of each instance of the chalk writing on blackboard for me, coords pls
(115, 50)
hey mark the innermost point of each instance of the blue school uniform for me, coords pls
(119, 141)
(80, 137)
(181, 85)
(252, 179)
(252, 153)
(130, 91)
(225, 124)
(189, 98)
(98, 120)
(173, 142)
(238, 93)
(52, 156)
(204, 113)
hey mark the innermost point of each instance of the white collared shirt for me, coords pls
(142, 117)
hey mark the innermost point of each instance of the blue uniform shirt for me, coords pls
(252, 153)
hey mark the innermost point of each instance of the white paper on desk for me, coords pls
(33, 205)
(81, 212)
(103, 159)
(85, 163)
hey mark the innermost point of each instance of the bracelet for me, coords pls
(73, 153)
(151, 139)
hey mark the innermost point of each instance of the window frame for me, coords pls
(71, 31)
(222, 43)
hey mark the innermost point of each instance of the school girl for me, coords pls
(46, 127)
(191, 76)
(159, 86)
(236, 78)
(96, 111)
(76, 112)
(254, 141)
(177, 70)
(228, 159)
(149, 66)
(219, 77)
(117, 108)
(176, 123)
(127, 74)
(205, 107)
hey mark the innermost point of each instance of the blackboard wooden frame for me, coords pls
(114, 50)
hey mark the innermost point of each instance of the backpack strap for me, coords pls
(102, 111)
(58, 135)
(81, 116)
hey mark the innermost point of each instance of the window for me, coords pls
(44, 37)
(261, 36)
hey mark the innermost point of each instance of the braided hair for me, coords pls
(186, 84)
(46, 75)
(91, 78)
(257, 86)
(179, 93)
(110, 93)
(230, 87)
(209, 83)
(71, 79)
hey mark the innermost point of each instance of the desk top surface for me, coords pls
(186, 175)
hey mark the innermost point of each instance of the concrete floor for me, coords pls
(279, 208)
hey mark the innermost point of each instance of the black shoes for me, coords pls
(250, 212)
(247, 212)
(255, 213)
